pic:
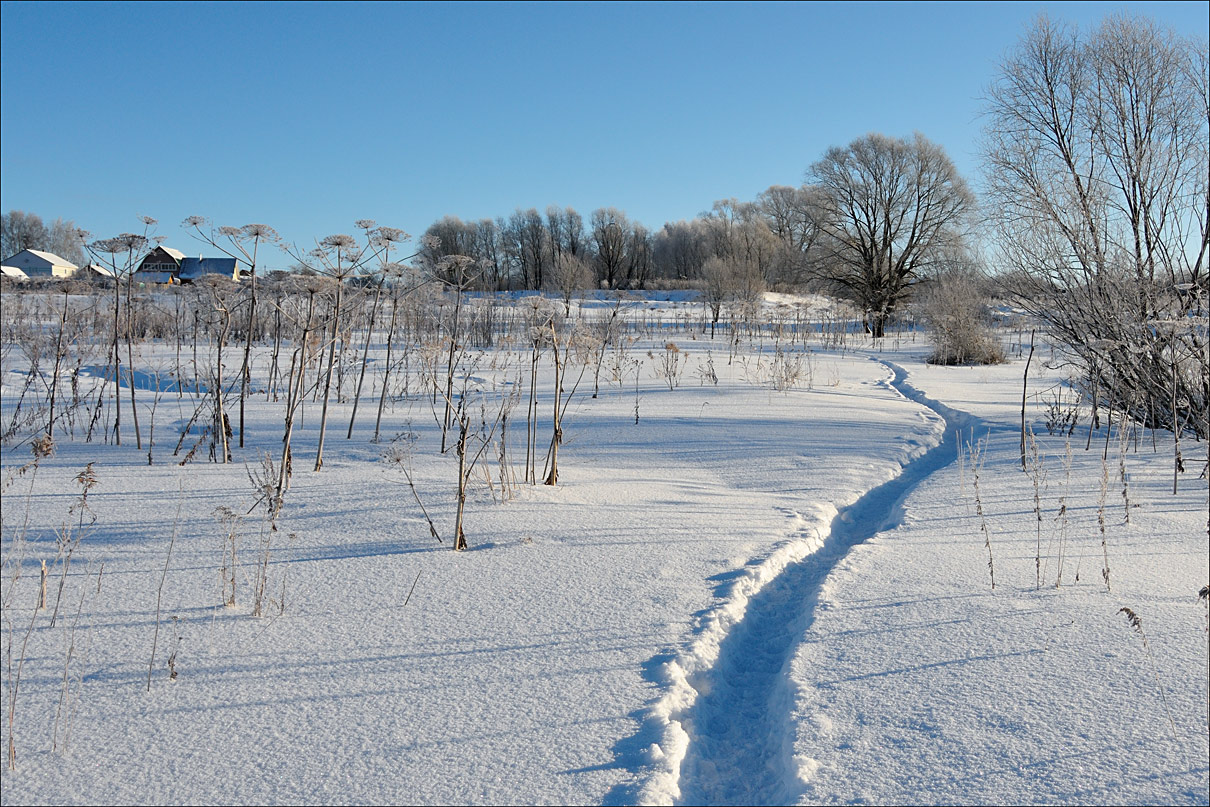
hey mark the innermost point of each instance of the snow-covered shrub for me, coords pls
(955, 312)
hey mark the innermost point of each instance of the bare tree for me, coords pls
(680, 249)
(954, 307)
(795, 217)
(717, 288)
(569, 274)
(1096, 149)
(610, 231)
(20, 230)
(893, 206)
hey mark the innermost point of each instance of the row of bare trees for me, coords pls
(21, 230)
(873, 218)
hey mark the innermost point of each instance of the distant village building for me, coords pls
(162, 265)
(35, 263)
(95, 271)
(168, 265)
(14, 274)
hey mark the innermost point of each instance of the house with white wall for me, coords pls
(35, 263)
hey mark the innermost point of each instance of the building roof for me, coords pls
(49, 257)
(13, 272)
(175, 253)
(54, 259)
(196, 267)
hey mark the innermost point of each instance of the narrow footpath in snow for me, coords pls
(740, 748)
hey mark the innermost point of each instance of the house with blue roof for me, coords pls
(196, 268)
(167, 265)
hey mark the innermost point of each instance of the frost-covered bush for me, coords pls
(954, 309)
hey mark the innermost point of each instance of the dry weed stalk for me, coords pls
(961, 464)
(159, 593)
(227, 571)
(705, 371)
(69, 702)
(975, 450)
(1136, 622)
(1123, 477)
(68, 539)
(176, 646)
(1101, 522)
(1037, 474)
(669, 365)
(1062, 516)
(400, 455)
(1204, 597)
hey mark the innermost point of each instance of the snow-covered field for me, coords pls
(750, 595)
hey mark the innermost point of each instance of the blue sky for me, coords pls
(310, 116)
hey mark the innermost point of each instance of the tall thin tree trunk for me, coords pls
(1024, 391)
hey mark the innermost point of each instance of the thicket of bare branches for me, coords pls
(1098, 173)
(954, 308)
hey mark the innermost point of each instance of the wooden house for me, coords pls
(162, 265)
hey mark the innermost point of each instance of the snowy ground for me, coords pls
(749, 596)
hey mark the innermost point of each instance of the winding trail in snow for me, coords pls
(739, 727)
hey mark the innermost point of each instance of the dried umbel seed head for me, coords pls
(1134, 619)
(43, 446)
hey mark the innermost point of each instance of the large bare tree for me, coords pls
(894, 208)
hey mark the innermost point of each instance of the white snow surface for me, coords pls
(749, 596)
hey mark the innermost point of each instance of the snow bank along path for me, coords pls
(727, 735)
